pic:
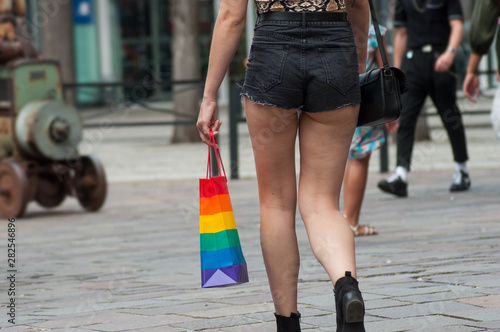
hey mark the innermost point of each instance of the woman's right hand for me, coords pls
(207, 120)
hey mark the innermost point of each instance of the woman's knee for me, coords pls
(286, 204)
(305, 209)
(310, 206)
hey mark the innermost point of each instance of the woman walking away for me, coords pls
(306, 56)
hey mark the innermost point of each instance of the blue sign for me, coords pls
(83, 11)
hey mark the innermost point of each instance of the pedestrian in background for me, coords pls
(427, 37)
(483, 29)
(365, 140)
(304, 57)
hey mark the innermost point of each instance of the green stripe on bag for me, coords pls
(220, 240)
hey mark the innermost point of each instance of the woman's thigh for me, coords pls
(273, 133)
(325, 139)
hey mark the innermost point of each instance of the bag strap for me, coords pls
(213, 142)
(380, 41)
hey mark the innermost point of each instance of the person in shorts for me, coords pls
(302, 78)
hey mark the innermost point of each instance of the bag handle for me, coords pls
(213, 142)
(380, 41)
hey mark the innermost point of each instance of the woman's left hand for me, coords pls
(207, 120)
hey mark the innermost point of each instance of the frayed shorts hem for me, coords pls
(254, 100)
(265, 103)
(336, 108)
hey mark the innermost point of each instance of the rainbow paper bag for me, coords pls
(222, 260)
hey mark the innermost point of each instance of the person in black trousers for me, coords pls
(427, 37)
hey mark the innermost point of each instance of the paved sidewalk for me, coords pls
(134, 266)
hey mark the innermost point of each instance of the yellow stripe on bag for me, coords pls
(217, 222)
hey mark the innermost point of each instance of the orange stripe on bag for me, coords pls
(215, 204)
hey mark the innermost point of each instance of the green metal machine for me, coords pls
(39, 137)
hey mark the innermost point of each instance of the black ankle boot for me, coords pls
(288, 324)
(349, 305)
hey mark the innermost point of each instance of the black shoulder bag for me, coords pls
(381, 88)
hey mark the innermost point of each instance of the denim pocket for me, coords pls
(341, 68)
(265, 65)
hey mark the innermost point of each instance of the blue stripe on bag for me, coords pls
(221, 258)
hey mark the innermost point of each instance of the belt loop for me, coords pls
(303, 19)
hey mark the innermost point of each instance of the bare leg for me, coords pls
(356, 175)
(324, 144)
(273, 133)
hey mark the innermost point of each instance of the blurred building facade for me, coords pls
(117, 40)
(126, 40)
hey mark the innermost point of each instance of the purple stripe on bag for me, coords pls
(226, 276)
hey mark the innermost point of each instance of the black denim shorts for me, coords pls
(312, 66)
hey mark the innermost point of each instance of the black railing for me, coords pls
(144, 103)
(128, 101)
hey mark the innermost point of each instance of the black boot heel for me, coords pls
(353, 307)
(288, 324)
(349, 305)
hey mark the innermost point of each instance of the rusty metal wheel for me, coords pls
(13, 189)
(50, 191)
(90, 183)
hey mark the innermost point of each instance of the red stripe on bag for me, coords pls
(216, 185)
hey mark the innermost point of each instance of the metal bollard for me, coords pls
(234, 118)
(213, 161)
(384, 154)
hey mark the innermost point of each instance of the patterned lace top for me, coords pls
(264, 6)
